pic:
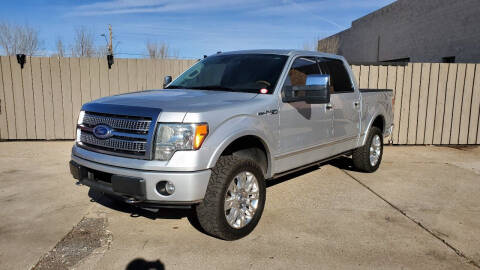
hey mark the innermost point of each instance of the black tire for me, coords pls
(210, 212)
(361, 155)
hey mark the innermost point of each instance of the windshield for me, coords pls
(235, 72)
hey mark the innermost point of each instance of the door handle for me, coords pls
(356, 103)
(329, 106)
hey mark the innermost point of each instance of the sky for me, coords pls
(190, 28)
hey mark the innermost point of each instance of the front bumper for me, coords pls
(139, 186)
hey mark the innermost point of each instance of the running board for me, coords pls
(316, 163)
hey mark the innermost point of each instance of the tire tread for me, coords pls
(207, 212)
(361, 155)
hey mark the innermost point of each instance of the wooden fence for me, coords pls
(42, 100)
(434, 103)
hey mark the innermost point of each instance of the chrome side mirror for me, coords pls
(167, 80)
(315, 91)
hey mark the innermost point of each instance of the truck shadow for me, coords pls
(153, 214)
(276, 181)
(343, 163)
(175, 213)
(161, 213)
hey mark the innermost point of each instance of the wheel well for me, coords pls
(379, 122)
(250, 147)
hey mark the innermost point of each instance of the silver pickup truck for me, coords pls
(215, 134)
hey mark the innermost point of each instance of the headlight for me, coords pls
(81, 115)
(178, 137)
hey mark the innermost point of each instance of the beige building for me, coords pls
(412, 31)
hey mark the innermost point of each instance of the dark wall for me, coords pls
(421, 30)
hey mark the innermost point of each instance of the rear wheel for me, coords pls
(234, 200)
(368, 157)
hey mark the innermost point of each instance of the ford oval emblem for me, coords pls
(102, 131)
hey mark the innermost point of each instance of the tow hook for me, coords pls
(132, 200)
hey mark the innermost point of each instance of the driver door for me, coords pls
(305, 129)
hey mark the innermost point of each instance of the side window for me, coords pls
(339, 79)
(301, 67)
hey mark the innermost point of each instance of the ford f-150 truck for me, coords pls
(211, 138)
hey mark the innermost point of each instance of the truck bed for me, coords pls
(376, 101)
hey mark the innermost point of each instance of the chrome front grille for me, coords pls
(138, 125)
(113, 143)
(129, 135)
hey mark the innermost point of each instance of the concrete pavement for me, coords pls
(418, 211)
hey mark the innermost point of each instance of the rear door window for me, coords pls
(339, 78)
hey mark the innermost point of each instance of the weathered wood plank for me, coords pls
(48, 98)
(382, 77)
(113, 79)
(122, 75)
(400, 72)
(364, 75)
(66, 81)
(85, 80)
(158, 74)
(150, 69)
(466, 103)
(104, 79)
(76, 90)
(457, 103)
(373, 77)
(57, 98)
(406, 92)
(391, 78)
(3, 110)
(132, 75)
(172, 65)
(29, 102)
(19, 102)
(9, 97)
(423, 103)
(440, 107)
(94, 67)
(356, 74)
(413, 109)
(449, 98)
(390, 81)
(141, 74)
(37, 88)
(431, 103)
(475, 109)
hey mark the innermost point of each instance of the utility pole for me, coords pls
(110, 47)
(110, 60)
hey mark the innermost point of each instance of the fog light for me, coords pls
(166, 188)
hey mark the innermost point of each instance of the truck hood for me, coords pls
(176, 100)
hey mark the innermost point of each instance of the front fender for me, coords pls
(235, 128)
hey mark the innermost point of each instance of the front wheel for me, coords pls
(234, 200)
(368, 157)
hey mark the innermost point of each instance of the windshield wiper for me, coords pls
(212, 87)
(174, 87)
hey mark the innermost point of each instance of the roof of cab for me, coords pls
(283, 52)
